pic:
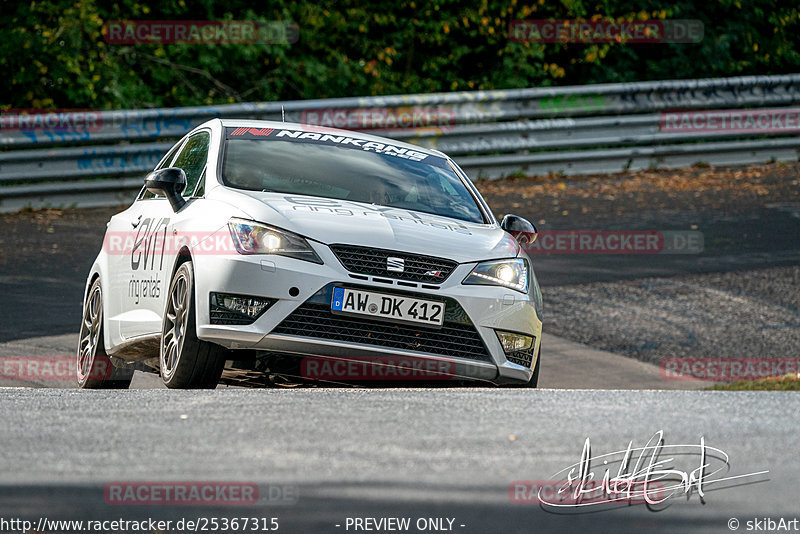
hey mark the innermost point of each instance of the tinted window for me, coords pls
(341, 173)
(192, 160)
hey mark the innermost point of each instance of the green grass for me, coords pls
(773, 383)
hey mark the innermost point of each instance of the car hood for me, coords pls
(355, 223)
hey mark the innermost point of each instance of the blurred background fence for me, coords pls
(97, 158)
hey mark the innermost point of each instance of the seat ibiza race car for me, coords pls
(264, 251)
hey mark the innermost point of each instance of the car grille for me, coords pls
(453, 339)
(223, 316)
(372, 261)
(522, 357)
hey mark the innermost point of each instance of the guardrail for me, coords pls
(601, 128)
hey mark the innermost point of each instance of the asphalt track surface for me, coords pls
(386, 453)
(444, 452)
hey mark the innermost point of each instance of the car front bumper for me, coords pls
(301, 293)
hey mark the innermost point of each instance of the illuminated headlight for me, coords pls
(513, 342)
(512, 274)
(250, 237)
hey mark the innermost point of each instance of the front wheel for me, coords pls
(186, 362)
(94, 367)
(534, 381)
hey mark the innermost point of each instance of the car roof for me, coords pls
(254, 123)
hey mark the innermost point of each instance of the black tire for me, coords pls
(94, 367)
(534, 381)
(185, 361)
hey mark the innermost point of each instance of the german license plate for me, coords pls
(387, 307)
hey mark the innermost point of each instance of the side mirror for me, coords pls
(522, 229)
(170, 183)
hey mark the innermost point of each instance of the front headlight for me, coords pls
(512, 274)
(250, 237)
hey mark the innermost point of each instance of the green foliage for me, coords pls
(53, 54)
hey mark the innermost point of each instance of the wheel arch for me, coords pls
(90, 281)
(94, 274)
(183, 255)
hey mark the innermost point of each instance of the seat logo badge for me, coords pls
(395, 265)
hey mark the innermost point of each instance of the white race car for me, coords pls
(261, 252)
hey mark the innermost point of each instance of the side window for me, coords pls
(167, 160)
(192, 159)
(201, 187)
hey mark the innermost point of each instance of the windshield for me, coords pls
(374, 173)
